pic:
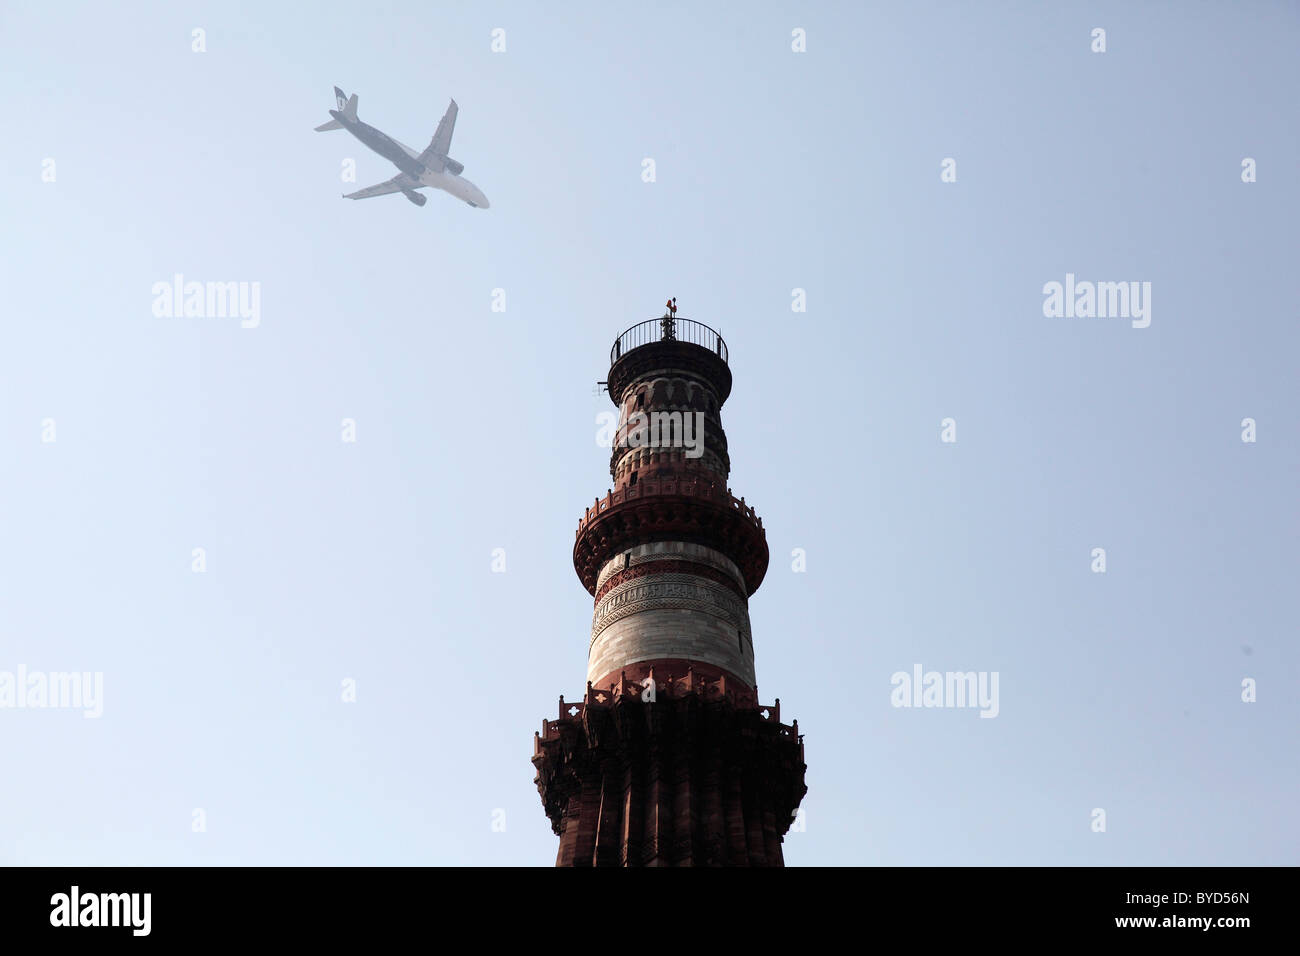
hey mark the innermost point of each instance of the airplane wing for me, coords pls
(440, 145)
(395, 185)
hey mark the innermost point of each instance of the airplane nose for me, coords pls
(483, 202)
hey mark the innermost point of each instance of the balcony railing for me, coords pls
(694, 487)
(668, 329)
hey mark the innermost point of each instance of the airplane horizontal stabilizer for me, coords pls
(326, 127)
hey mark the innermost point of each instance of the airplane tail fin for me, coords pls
(347, 106)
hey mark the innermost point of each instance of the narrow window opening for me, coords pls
(627, 560)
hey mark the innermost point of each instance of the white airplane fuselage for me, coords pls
(458, 186)
(408, 161)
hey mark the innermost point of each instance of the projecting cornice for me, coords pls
(690, 510)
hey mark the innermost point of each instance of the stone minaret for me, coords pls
(669, 759)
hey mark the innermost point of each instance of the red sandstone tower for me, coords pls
(669, 759)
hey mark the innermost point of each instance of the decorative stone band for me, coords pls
(652, 462)
(693, 557)
(659, 591)
(671, 615)
(671, 567)
(688, 510)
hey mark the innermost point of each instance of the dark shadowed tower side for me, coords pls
(670, 759)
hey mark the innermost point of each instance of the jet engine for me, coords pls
(453, 167)
(415, 197)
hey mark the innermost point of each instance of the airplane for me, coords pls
(433, 167)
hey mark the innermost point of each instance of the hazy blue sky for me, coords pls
(775, 170)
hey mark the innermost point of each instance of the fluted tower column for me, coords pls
(670, 758)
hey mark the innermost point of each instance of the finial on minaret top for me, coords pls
(670, 319)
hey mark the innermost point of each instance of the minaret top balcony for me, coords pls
(669, 343)
(668, 329)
